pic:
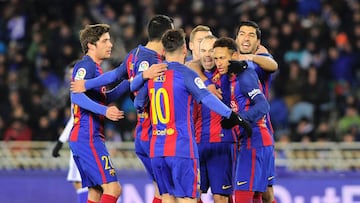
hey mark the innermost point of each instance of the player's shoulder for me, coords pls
(84, 67)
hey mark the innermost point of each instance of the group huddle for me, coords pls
(203, 121)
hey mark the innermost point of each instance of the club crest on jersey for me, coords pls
(215, 78)
(144, 65)
(80, 74)
(199, 83)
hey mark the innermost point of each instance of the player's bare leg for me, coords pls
(220, 198)
(268, 196)
(186, 200)
(166, 198)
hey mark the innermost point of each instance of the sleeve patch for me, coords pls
(144, 65)
(199, 83)
(80, 74)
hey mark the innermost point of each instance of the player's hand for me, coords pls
(217, 92)
(77, 86)
(237, 67)
(155, 70)
(235, 119)
(261, 50)
(56, 149)
(114, 114)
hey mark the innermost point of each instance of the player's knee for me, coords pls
(220, 198)
(113, 188)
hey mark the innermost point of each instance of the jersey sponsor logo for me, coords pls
(80, 74)
(225, 187)
(241, 183)
(169, 131)
(144, 65)
(199, 83)
(254, 92)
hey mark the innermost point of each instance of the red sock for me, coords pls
(244, 196)
(89, 201)
(105, 198)
(274, 201)
(257, 198)
(156, 200)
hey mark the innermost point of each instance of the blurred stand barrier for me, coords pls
(317, 156)
(305, 173)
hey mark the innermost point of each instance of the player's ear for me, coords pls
(184, 49)
(191, 46)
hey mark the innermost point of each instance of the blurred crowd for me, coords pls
(314, 96)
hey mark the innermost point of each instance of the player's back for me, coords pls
(171, 106)
(140, 59)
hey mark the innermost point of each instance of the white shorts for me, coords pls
(73, 173)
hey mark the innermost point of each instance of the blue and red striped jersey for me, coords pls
(138, 60)
(265, 80)
(171, 111)
(88, 126)
(207, 122)
(249, 101)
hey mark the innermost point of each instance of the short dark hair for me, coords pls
(227, 42)
(91, 34)
(173, 39)
(250, 24)
(158, 25)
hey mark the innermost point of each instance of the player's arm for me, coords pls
(118, 91)
(87, 71)
(197, 88)
(63, 137)
(196, 66)
(107, 78)
(249, 86)
(262, 58)
(142, 97)
(111, 112)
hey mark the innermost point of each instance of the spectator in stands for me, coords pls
(18, 131)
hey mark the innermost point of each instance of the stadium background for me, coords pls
(315, 94)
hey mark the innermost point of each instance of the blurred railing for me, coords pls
(325, 156)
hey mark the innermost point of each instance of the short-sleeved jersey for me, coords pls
(139, 60)
(171, 111)
(244, 88)
(207, 122)
(88, 123)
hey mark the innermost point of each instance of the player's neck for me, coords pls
(174, 58)
(94, 58)
(156, 46)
